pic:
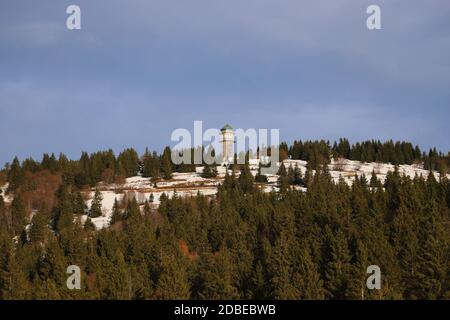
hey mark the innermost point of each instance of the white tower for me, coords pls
(227, 143)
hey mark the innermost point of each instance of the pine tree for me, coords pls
(246, 179)
(209, 171)
(132, 211)
(128, 162)
(16, 176)
(173, 282)
(283, 260)
(308, 277)
(297, 177)
(79, 205)
(4, 223)
(166, 164)
(432, 256)
(52, 264)
(14, 282)
(308, 175)
(338, 267)
(357, 288)
(260, 178)
(216, 277)
(406, 244)
(18, 215)
(116, 213)
(114, 277)
(281, 270)
(151, 165)
(147, 209)
(96, 206)
(374, 182)
(283, 180)
(64, 218)
(258, 282)
(39, 227)
(89, 225)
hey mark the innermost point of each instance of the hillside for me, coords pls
(190, 184)
(309, 232)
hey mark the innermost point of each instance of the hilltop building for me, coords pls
(227, 143)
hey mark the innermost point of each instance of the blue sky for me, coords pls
(140, 69)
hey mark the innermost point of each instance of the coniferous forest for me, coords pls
(240, 244)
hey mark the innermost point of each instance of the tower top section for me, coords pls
(227, 127)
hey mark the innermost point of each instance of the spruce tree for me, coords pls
(128, 162)
(281, 270)
(374, 182)
(18, 215)
(116, 213)
(308, 175)
(432, 259)
(64, 219)
(209, 171)
(96, 205)
(260, 178)
(258, 283)
(405, 239)
(308, 277)
(132, 211)
(89, 225)
(14, 280)
(52, 265)
(338, 267)
(79, 204)
(246, 179)
(357, 288)
(297, 177)
(173, 282)
(147, 209)
(283, 179)
(166, 164)
(16, 176)
(216, 277)
(39, 228)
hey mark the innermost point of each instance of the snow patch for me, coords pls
(7, 198)
(190, 183)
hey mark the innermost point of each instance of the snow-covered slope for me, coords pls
(348, 169)
(189, 184)
(182, 184)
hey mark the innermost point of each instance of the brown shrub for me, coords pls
(42, 189)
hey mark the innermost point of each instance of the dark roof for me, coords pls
(227, 127)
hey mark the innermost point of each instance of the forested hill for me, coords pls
(107, 167)
(241, 243)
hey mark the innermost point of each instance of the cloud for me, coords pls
(139, 69)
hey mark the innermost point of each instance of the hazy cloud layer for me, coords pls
(139, 69)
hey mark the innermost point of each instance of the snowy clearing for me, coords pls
(190, 183)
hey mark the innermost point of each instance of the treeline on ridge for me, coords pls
(105, 166)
